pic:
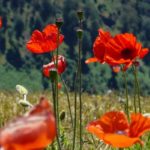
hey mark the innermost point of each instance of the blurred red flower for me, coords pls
(1, 22)
(116, 69)
(124, 49)
(45, 41)
(35, 130)
(99, 47)
(59, 85)
(114, 129)
(52, 66)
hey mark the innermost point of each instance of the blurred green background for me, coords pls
(21, 17)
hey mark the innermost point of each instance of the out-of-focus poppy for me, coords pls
(99, 47)
(124, 49)
(116, 69)
(1, 22)
(113, 128)
(35, 130)
(45, 41)
(59, 85)
(52, 65)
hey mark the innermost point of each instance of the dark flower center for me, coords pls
(127, 54)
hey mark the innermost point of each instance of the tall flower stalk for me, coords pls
(137, 87)
(78, 87)
(59, 23)
(126, 94)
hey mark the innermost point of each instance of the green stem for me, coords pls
(56, 92)
(135, 90)
(68, 99)
(80, 92)
(55, 112)
(126, 93)
(75, 110)
(138, 89)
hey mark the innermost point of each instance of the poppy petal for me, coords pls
(51, 31)
(35, 130)
(144, 52)
(91, 60)
(110, 122)
(139, 125)
(120, 141)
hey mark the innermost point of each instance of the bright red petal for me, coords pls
(120, 141)
(111, 122)
(143, 52)
(51, 31)
(139, 125)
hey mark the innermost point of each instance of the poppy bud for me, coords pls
(21, 89)
(80, 14)
(79, 33)
(62, 115)
(53, 74)
(59, 22)
(25, 103)
(136, 63)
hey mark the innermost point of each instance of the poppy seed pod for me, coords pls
(80, 14)
(79, 33)
(59, 22)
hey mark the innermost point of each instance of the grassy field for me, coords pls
(93, 107)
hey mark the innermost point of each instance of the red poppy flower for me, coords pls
(1, 22)
(114, 129)
(124, 49)
(99, 47)
(34, 131)
(52, 66)
(45, 41)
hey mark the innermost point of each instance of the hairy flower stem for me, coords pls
(135, 91)
(77, 88)
(55, 112)
(75, 111)
(80, 92)
(56, 93)
(138, 88)
(126, 93)
(68, 99)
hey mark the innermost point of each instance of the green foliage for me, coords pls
(10, 77)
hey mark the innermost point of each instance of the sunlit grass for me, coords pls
(93, 107)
